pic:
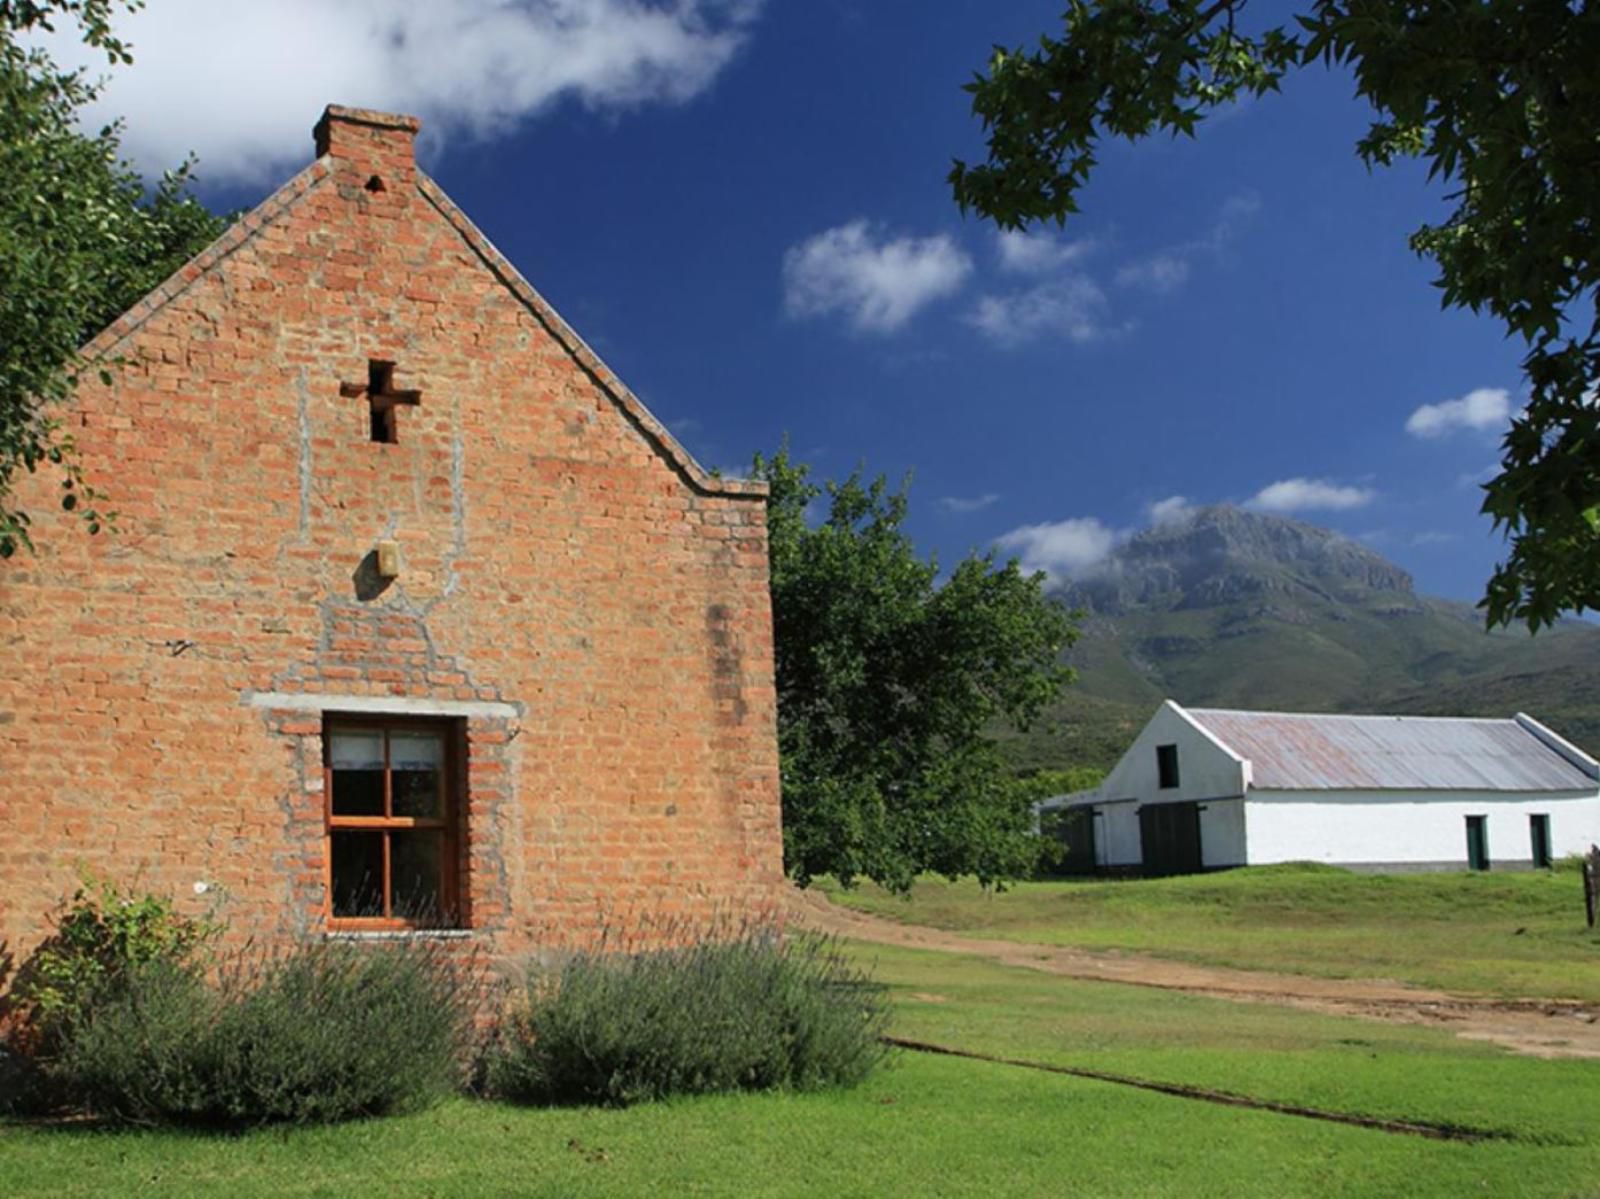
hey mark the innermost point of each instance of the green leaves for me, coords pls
(888, 683)
(81, 240)
(1127, 68)
(1547, 496)
(1498, 97)
(100, 935)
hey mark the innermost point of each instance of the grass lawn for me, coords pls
(1286, 1055)
(939, 1126)
(1507, 933)
(923, 1126)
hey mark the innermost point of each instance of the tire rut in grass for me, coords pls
(1416, 1128)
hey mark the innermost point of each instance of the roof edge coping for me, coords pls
(1353, 715)
(234, 237)
(1559, 745)
(1246, 770)
(608, 379)
(369, 116)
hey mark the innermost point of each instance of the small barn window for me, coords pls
(1167, 765)
(391, 823)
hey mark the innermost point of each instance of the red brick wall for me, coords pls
(559, 555)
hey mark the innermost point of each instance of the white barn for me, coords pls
(1204, 789)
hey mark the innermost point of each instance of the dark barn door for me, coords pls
(1477, 843)
(1074, 827)
(1169, 835)
(1539, 832)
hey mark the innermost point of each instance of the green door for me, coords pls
(1477, 843)
(1539, 833)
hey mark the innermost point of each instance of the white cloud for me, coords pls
(1037, 252)
(1173, 510)
(879, 284)
(1160, 273)
(1169, 269)
(1066, 301)
(1486, 408)
(1306, 495)
(1064, 549)
(1073, 306)
(242, 84)
(976, 503)
(1237, 209)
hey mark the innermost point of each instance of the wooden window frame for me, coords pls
(451, 790)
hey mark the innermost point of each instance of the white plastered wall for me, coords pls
(1206, 769)
(1397, 828)
(1222, 833)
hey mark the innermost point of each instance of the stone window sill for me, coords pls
(398, 934)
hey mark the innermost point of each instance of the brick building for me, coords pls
(413, 616)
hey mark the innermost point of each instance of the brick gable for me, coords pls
(587, 602)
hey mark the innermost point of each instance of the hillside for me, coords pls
(1232, 608)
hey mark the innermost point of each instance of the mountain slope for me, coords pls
(1231, 608)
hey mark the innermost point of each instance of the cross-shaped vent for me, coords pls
(383, 398)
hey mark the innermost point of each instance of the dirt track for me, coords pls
(1537, 1027)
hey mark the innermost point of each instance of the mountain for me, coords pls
(1232, 608)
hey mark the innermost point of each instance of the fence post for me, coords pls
(1591, 883)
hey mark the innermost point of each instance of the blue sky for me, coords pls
(742, 207)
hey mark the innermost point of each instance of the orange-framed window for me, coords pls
(391, 790)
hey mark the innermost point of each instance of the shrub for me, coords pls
(328, 1032)
(101, 935)
(750, 1012)
(20, 1084)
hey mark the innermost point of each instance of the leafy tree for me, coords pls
(888, 680)
(1043, 784)
(1499, 97)
(81, 240)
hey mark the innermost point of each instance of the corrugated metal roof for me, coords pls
(1304, 752)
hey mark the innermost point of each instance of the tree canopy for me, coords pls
(889, 681)
(1500, 99)
(82, 239)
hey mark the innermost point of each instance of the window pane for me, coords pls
(357, 761)
(355, 749)
(416, 763)
(417, 860)
(357, 873)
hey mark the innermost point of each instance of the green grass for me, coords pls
(938, 1126)
(1283, 1055)
(930, 1126)
(1519, 934)
(923, 1126)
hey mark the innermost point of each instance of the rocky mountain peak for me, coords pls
(1223, 554)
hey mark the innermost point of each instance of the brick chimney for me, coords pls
(382, 144)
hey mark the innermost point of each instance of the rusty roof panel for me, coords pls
(1305, 752)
